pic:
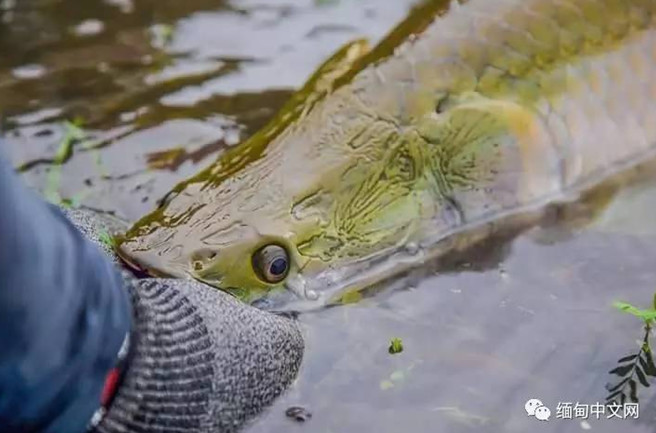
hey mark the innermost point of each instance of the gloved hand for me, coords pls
(201, 361)
(85, 346)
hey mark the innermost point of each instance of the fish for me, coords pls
(467, 117)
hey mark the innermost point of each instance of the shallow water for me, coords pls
(159, 88)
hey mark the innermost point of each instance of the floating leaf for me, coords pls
(396, 346)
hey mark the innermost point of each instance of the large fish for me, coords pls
(468, 115)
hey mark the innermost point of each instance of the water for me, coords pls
(160, 87)
(149, 92)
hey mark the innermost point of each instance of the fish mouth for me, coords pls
(303, 291)
(150, 262)
(295, 294)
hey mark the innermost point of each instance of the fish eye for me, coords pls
(271, 263)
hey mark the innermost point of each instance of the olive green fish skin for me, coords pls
(497, 108)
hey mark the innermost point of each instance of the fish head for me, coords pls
(343, 200)
(297, 215)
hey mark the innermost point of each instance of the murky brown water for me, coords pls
(159, 87)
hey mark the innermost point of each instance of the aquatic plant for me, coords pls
(73, 133)
(635, 369)
(396, 346)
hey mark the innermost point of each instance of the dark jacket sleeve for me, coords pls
(63, 316)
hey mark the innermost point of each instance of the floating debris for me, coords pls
(396, 346)
(298, 413)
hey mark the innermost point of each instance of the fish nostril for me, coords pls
(200, 258)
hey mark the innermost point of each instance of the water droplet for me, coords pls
(412, 248)
(231, 137)
(311, 295)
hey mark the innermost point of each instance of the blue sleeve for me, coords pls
(63, 316)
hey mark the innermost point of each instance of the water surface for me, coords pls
(147, 93)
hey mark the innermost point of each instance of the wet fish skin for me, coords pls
(497, 108)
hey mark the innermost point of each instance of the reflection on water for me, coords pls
(480, 342)
(158, 88)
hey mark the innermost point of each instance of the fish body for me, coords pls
(488, 110)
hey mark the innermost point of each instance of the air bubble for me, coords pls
(412, 248)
